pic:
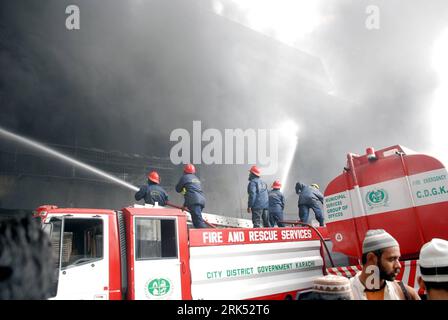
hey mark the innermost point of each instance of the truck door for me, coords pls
(53, 230)
(157, 266)
(83, 260)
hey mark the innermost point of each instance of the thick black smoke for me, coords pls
(136, 70)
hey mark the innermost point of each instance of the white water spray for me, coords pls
(61, 156)
(289, 133)
(288, 166)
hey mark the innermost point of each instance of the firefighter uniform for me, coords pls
(258, 201)
(194, 199)
(309, 198)
(276, 207)
(152, 193)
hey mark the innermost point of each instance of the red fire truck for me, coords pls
(150, 253)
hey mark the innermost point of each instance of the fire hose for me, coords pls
(318, 233)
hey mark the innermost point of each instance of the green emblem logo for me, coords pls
(159, 287)
(377, 198)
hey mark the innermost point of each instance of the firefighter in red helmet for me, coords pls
(194, 199)
(152, 192)
(258, 200)
(276, 204)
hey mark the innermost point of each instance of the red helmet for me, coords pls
(276, 184)
(189, 168)
(154, 177)
(255, 170)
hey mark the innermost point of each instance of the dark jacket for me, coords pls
(276, 201)
(190, 186)
(152, 193)
(258, 193)
(308, 195)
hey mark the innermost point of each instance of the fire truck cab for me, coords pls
(150, 253)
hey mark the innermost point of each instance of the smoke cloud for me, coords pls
(137, 70)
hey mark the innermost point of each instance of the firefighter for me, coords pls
(258, 202)
(152, 192)
(190, 186)
(310, 198)
(276, 205)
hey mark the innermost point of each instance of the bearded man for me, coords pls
(380, 267)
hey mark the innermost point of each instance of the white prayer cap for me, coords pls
(434, 261)
(378, 239)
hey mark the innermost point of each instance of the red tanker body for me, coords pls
(394, 189)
